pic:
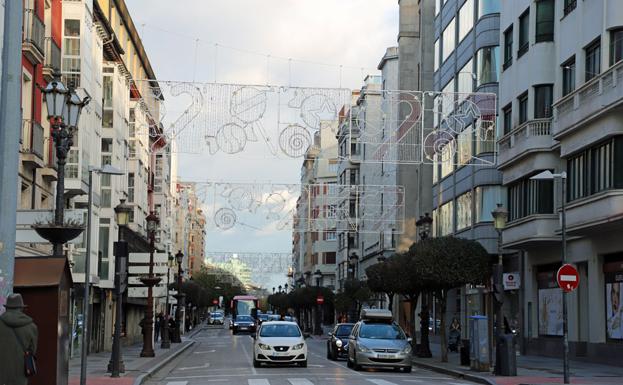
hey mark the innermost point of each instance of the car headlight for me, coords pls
(298, 346)
(362, 348)
(264, 347)
(407, 349)
(338, 343)
(235, 324)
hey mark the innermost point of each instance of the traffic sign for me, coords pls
(215, 302)
(320, 300)
(568, 278)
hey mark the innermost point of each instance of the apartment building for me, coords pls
(190, 227)
(560, 107)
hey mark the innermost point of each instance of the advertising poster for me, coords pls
(550, 312)
(614, 310)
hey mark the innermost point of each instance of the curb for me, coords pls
(455, 373)
(144, 376)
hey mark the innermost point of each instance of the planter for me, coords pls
(58, 233)
(150, 281)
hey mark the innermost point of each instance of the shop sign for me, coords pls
(511, 281)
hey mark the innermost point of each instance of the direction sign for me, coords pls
(568, 278)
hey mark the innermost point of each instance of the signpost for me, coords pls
(568, 278)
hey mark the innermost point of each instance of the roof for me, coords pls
(39, 271)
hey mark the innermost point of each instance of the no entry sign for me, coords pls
(568, 278)
(320, 300)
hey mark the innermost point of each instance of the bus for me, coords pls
(244, 305)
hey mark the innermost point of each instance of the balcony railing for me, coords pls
(34, 30)
(531, 128)
(32, 142)
(52, 54)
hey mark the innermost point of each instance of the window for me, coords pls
(487, 60)
(448, 40)
(524, 33)
(528, 197)
(523, 108)
(71, 53)
(436, 55)
(464, 211)
(568, 76)
(447, 159)
(445, 219)
(106, 144)
(593, 60)
(437, 7)
(466, 19)
(544, 21)
(465, 145)
(569, 6)
(486, 7)
(507, 112)
(616, 46)
(596, 169)
(131, 187)
(103, 245)
(485, 201)
(508, 47)
(543, 101)
(329, 258)
(466, 79)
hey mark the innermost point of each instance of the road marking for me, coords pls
(457, 383)
(378, 381)
(246, 353)
(177, 383)
(258, 381)
(415, 381)
(300, 381)
(315, 366)
(206, 365)
(206, 351)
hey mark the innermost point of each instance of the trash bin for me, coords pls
(506, 355)
(465, 352)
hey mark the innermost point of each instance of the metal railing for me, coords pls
(52, 54)
(33, 140)
(34, 29)
(531, 128)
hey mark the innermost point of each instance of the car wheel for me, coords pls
(349, 362)
(356, 366)
(334, 355)
(256, 363)
(408, 369)
(303, 364)
(234, 332)
(329, 355)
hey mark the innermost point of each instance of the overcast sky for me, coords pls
(208, 40)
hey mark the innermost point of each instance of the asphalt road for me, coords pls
(220, 358)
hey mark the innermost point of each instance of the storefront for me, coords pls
(549, 303)
(613, 279)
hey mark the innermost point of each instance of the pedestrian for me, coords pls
(18, 333)
(157, 323)
(142, 324)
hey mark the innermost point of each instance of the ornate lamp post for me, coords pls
(64, 108)
(318, 323)
(500, 216)
(424, 224)
(177, 334)
(279, 287)
(150, 281)
(166, 340)
(122, 215)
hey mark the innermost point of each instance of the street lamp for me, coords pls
(500, 216)
(177, 334)
(122, 216)
(354, 259)
(166, 340)
(108, 170)
(64, 108)
(424, 224)
(150, 281)
(286, 287)
(318, 323)
(548, 175)
(279, 287)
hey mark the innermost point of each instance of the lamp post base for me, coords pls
(110, 367)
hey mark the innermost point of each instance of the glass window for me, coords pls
(466, 79)
(72, 27)
(108, 90)
(524, 33)
(435, 170)
(569, 6)
(464, 211)
(596, 169)
(106, 144)
(436, 55)
(593, 60)
(508, 47)
(437, 7)
(449, 40)
(543, 101)
(107, 119)
(528, 197)
(445, 225)
(485, 137)
(465, 144)
(447, 159)
(568, 76)
(466, 19)
(486, 7)
(508, 118)
(616, 46)
(102, 255)
(487, 60)
(487, 197)
(544, 20)
(523, 108)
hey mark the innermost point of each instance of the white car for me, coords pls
(279, 342)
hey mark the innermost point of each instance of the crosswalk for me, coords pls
(374, 381)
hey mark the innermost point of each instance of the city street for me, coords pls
(220, 358)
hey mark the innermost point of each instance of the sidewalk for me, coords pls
(137, 369)
(531, 370)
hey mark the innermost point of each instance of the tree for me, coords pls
(384, 277)
(352, 297)
(409, 283)
(446, 263)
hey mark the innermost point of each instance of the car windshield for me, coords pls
(381, 332)
(275, 317)
(280, 330)
(263, 317)
(217, 315)
(244, 318)
(343, 330)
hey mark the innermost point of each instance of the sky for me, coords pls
(299, 43)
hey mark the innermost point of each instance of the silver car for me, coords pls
(379, 343)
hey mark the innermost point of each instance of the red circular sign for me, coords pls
(568, 278)
(320, 300)
(215, 302)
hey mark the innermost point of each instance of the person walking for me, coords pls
(18, 333)
(157, 324)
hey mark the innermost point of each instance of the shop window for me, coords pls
(549, 301)
(613, 277)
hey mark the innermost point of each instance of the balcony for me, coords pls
(52, 59)
(596, 98)
(32, 142)
(595, 213)
(33, 37)
(530, 137)
(531, 231)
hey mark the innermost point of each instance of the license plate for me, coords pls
(386, 356)
(280, 354)
(243, 328)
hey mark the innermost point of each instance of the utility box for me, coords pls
(507, 356)
(479, 343)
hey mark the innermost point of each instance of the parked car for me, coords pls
(337, 344)
(243, 323)
(376, 340)
(279, 342)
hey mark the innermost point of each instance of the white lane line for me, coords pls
(378, 381)
(177, 383)
(457, 383)
(414, 381)
(206, 365)
(258, 381)
(246, 353)
(206, 351)
(300, 381)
